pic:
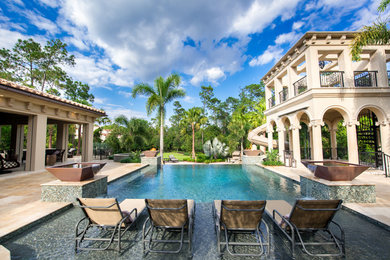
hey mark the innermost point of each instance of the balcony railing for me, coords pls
(283, 95)
(300, 86)
(365, 78)
(271, 101)
(332, 79)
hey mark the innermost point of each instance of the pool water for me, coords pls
(205, 183)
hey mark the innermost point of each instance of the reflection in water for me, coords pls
(205, 183)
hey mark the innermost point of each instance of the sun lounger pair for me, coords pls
(231, 217)
(164, 215)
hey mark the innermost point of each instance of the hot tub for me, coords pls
(335, 170)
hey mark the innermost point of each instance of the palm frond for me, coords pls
(376, 34)
(383, 5)
(142, 89)
(152, 103)
(173, 94)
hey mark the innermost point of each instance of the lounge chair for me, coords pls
(8, 164)
(106, 214)
(234, 216)
(168, 216)
(304, 220)
(173, 159)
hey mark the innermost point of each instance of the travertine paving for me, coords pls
(20, 195)
(379, 211)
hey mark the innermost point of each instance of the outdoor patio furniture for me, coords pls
(113, 220)
(168, 216)
(7, 164)
(309, 220)
(173, 159)
(60, 155)
(236, 217)
(71, 152)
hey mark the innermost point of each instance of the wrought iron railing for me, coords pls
(271, 101)
(386, 164)
(388, 77)
(300, 86)
(334, 153)
(333, 79)
(365, 78)
(283, 95)
(372, 159)
(306, 153)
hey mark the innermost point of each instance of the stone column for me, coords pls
(296, 147)
(378, 63)
(278, 88)
(345, 64)
(270, 140)
(353, 151)
(87, 140)
(317, 140)
(36, 142)
(385, 136)
(268, 95)
(292, 77)
(312, 68)
(333, 142)
(310, 129)
(19, 142)
(281, 133)
(62, 138)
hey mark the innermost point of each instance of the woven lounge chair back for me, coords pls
(236, 214)
(314, 213)
(168, 213)
(105, 212)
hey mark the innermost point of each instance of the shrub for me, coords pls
(215, 149)
(272, 158)
(131, 160)
(111, 157)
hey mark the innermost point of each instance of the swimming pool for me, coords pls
(205, 183)
(54, 239)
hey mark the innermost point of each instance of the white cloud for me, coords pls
(50, 3)
(367, 15)
(272, 53)
(297, 25)
(114, 112)
(189, 99)
(41, 22)
(145, 40)
(290, 37)
(124, 93)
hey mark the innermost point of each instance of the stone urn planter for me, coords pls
(76, 171)
(252, 152)
(150, 153)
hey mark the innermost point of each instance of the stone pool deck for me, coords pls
(378, 212)
(20, 196)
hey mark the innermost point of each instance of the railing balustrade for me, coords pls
(306, 153)
(372, 159)
(271, 101)
(300, 86)
(365, 78)
(333, 79)
(283, 95)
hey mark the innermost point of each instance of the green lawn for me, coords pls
(177, 155)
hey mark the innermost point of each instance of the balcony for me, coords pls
(283, 95)
(365, 78)
(271, 101)
(300, 86)
(332, 79)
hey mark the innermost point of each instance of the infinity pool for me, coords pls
(205, 183)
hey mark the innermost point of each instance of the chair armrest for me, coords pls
(136, 212)
(287, 221)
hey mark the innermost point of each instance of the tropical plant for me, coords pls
(215, 149)
(162, 92)
(375, 34)
(132, 132)
(239, 126)
(272, 158)
(195, 118)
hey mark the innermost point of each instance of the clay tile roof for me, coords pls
(28, 90)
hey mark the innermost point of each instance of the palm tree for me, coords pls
(163, 92)
(375, 34)
(194, 117)
(133, 132)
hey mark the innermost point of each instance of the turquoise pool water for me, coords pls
(205, 183)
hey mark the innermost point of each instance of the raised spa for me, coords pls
(335, 170)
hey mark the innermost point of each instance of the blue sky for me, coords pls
(227, 44)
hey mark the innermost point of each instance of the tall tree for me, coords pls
(375, 34)
(162, 92)
(239, 126)
(195, 118)
(133, 132)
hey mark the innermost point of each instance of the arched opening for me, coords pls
(305, 142)
(368, 138)
(334, 136)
